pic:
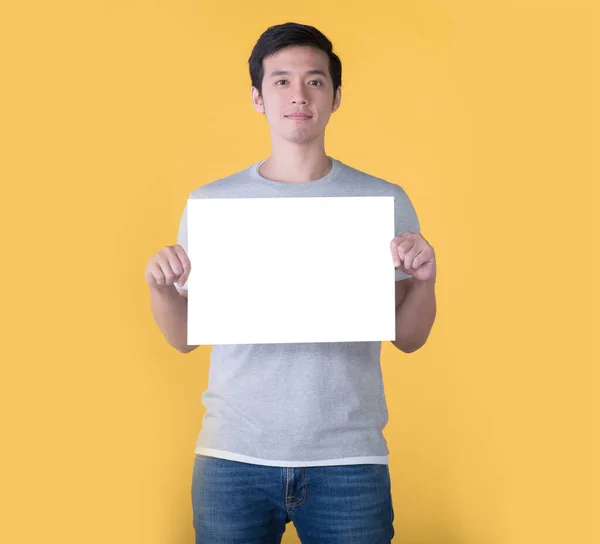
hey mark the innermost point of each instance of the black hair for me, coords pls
(288, 35)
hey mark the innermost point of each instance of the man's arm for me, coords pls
(169, 306)
(415, 313)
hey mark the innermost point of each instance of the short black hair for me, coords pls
(288, 35)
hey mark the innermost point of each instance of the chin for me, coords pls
(300, 137)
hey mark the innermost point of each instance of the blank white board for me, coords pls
(290, 270)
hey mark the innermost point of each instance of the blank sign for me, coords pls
(290, 270)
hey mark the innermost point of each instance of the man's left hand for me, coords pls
(413, 255)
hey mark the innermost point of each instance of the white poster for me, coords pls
(289, 270)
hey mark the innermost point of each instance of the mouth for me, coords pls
(298, 117)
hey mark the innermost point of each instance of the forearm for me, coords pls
(415, 316)
(170, 312)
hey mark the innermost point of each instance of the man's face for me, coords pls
(305, 87)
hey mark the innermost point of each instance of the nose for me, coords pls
(298, 95)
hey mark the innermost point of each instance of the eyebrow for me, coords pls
(310, 72)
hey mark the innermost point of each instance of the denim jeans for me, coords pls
(242, 503)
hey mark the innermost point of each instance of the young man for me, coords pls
(293, 432)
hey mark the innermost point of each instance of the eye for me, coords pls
(320, 83)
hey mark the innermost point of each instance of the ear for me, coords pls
(257, 100)
(337, 100)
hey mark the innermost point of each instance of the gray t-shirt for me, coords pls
(304, 404)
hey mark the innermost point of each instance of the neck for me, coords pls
(296, 164)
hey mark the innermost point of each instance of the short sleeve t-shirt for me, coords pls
(304, 404)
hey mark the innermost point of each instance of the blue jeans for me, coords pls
(242, 503)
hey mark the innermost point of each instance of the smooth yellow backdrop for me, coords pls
(485, 112)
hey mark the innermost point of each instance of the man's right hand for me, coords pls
(169, 265)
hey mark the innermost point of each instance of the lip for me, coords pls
(298, 116)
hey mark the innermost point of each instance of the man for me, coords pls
(293, 432)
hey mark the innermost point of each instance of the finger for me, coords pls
(419, 259)
(175, 264)
(185, 263)
(411, 254)
(404, 247)
(157, 274)
(174, 261)
(413, 258)
(394, 249)
(426, 256)
(163, 261)
(400, 245)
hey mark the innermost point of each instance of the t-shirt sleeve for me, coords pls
(182, 237)
(405, 220)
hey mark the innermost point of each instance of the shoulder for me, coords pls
(379, 185)
(222, 187)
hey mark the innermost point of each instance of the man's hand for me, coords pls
(171, 264)
(413, 255)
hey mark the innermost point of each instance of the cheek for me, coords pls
(275, 108)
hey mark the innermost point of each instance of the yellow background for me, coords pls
(112, 112)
